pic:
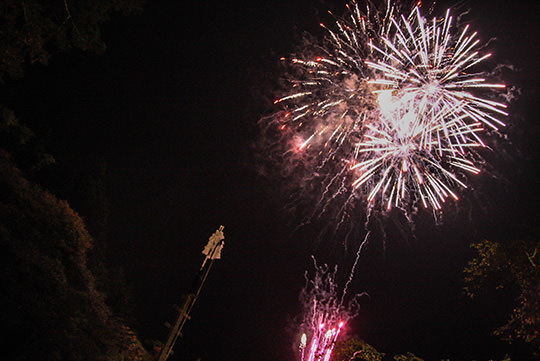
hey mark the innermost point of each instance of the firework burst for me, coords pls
(389, 109)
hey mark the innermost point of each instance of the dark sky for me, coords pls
(171, 108)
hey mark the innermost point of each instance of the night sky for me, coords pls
(171, 110)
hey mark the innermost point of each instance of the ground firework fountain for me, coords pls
(326, 311)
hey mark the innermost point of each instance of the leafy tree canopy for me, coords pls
(32, 30)
(512, 265)
(355, 349)
(50, 306)
(54, 304)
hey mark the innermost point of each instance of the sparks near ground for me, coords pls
(322, 342)
(391, 108)
(326, 310)
(325, 315)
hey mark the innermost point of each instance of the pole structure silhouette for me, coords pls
(212, 252)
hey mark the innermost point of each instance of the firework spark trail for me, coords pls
(353, 269)
(326, 312)
(393, 104)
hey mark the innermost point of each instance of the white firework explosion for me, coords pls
(391, 108)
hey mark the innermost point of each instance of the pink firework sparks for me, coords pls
(326, 312)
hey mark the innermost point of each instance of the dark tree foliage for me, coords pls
(60, 301)
(32, 30)
(355, 349)
(512, 266)
(407, 357)
(22, 144)
(50, 307)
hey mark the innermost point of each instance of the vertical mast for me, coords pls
(212, 251)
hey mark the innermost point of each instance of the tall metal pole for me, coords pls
(191, 298)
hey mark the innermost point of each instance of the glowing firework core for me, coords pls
(322, 342)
